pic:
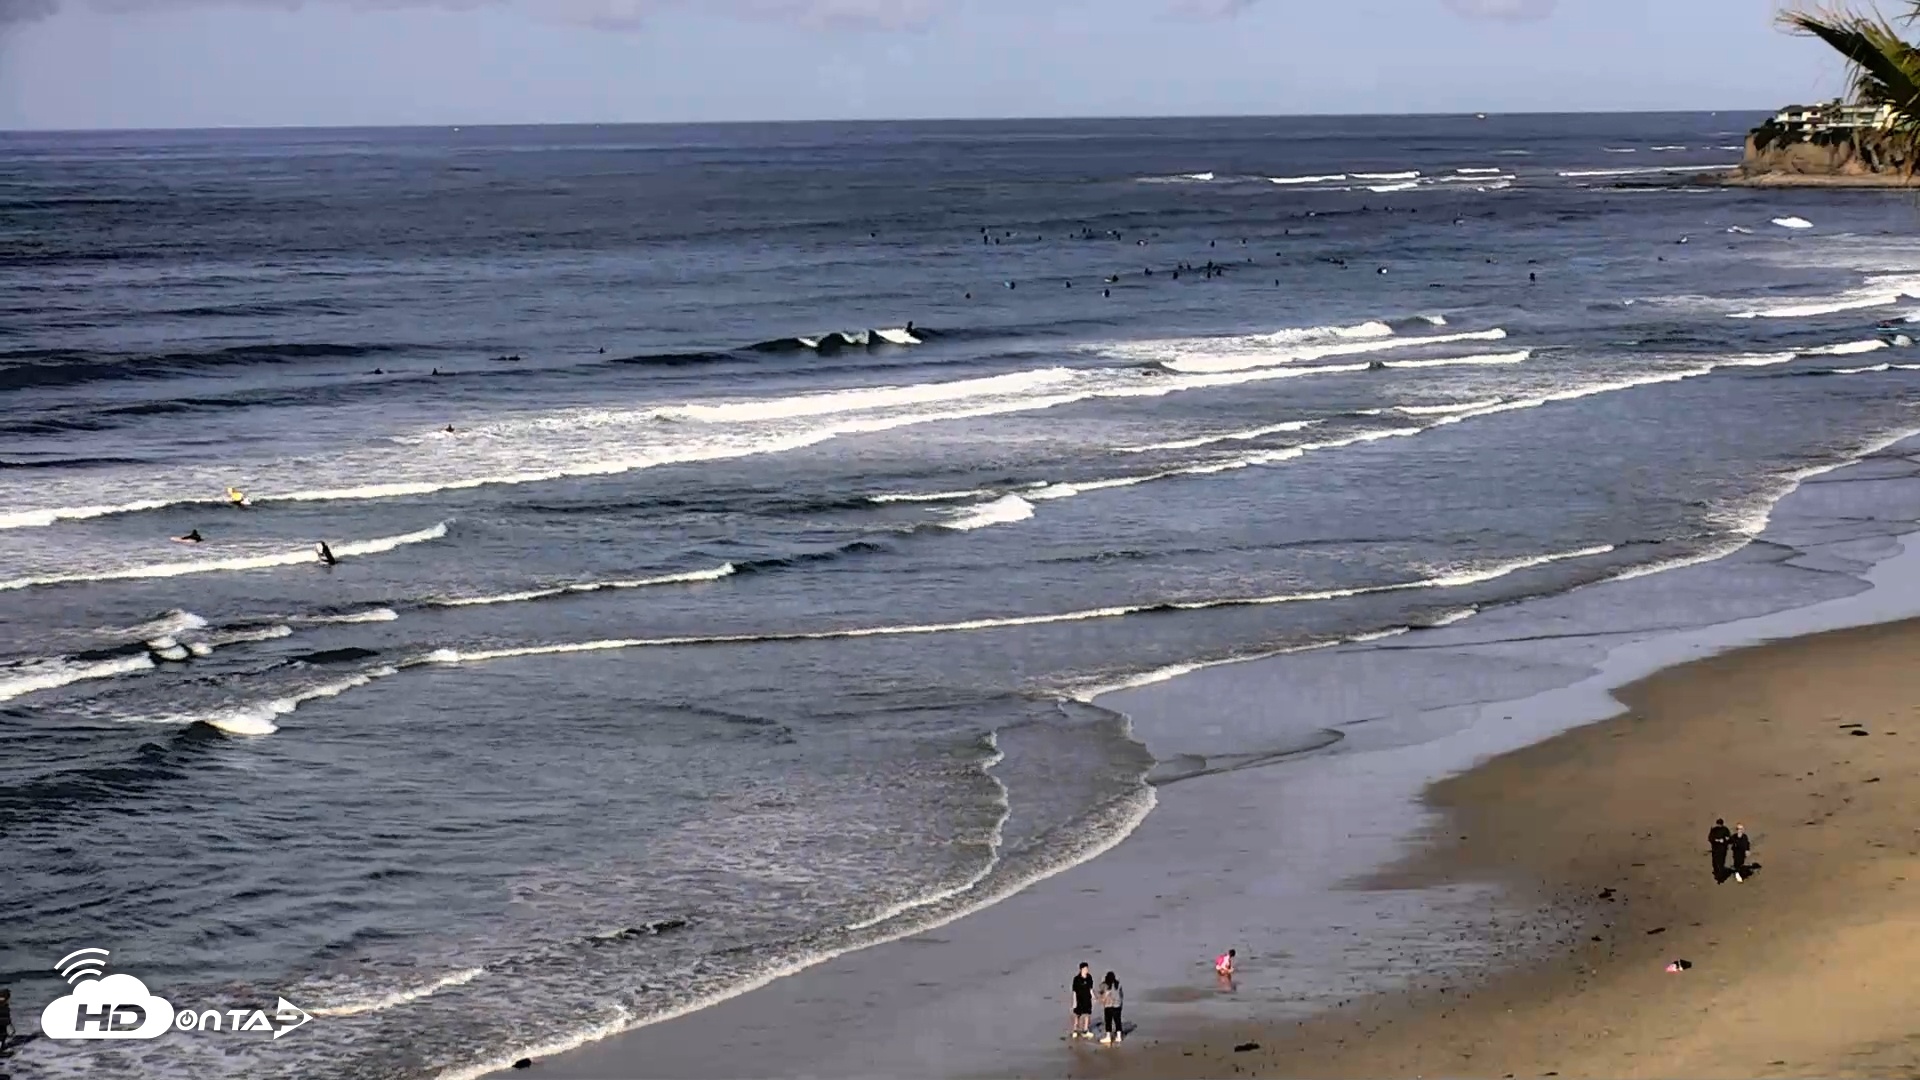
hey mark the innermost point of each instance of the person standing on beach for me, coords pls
(1112, 1000)
(1083, 1003)
(1718, 839)
(6, 1019)
(1741, 845)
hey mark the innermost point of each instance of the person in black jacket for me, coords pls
(1741, 845)
(1718, 839)
(1083, 1003)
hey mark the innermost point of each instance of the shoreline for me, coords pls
(1800, 970)
(1222, 891)
(1740, 179)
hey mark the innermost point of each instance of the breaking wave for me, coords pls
(1876, 292)
(1445, 580)
(32, 676)
(713, 574)
(1002, 511)
(244, 562)
(259, 718)
(836, 340)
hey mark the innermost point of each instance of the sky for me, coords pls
(213, 63)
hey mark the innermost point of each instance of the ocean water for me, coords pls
(803, 483)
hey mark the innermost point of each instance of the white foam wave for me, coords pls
(931, 496)
(1482, 359)
(1617, 150)
(1878, 291)
(1289, 180)
(1243, 353)
(1438, 410)
(35, 675)
(240, 637)
(399, 997)
(1847, 348)
(1650, 170)
(171, 624)
(20, 519)
(994, 841)
(1793, 223)
(1479, 172)
(1387, 189)
(258, 718)
(1088, 693)
(1001, 511)
(602, 442)
(1860, 370)
(1231, 436)
(370, 616)
(244, 562)
(1667, 149)
(869, 398)
(710, 574)
(1408, 175)
(1443, 579)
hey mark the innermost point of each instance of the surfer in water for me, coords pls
(238, 499)
(321, 549)
(193, 537)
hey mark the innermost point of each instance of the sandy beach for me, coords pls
(1804, 969)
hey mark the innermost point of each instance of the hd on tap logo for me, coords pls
(103, 1006)
(118, 1006)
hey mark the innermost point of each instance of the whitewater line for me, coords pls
(244, 562)
(1450, 580)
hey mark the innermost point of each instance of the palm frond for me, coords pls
(1884, 67)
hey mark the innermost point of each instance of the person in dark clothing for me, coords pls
(1718, 839)
(1112, 1000)
(1740, 845)
(6, 1019)
(1083, 1003)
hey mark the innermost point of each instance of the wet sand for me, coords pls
(1804, 969)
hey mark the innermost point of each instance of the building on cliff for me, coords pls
(1808, 121)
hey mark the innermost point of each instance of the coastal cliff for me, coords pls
(1777, 156)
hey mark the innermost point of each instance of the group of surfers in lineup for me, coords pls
(239, 501)
(1113, 1000)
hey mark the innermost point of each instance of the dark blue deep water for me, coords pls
(732, 624)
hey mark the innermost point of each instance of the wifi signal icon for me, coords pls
(82, 964)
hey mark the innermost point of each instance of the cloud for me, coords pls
(60, 1019)
(1504, 10)
(23, 10)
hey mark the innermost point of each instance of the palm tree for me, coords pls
(1884, 68)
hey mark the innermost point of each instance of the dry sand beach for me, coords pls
(1804, 969)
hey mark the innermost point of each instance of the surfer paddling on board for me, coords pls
(321, 549)
(193, 537)
(238, 499)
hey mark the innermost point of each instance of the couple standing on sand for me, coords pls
(1722, 842)
(1112, 1000)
